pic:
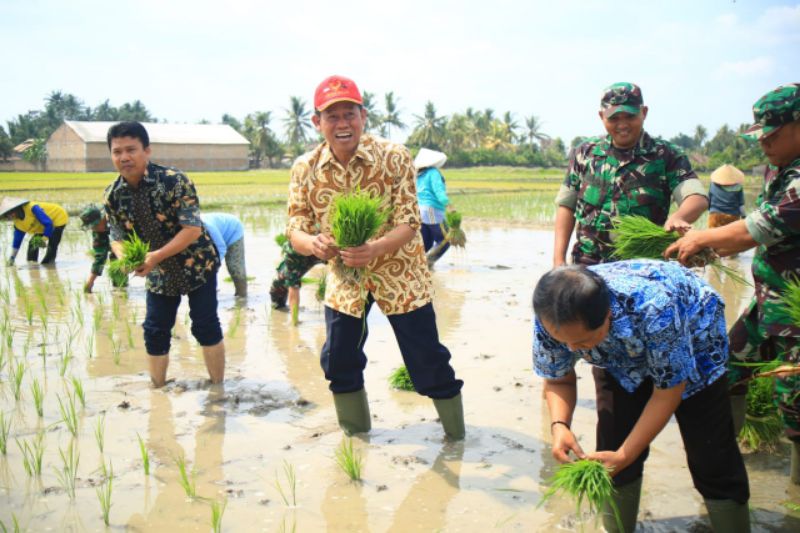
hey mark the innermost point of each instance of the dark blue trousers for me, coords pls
(428, 362)
(431, 236)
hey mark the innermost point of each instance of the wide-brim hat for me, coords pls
(429, 158)
(727, 175)
(10, 203)
(90, 216)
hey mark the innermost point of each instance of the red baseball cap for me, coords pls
(336, 89)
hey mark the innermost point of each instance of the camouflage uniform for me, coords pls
(290, 272)
(765, 332)
(603, 182)
(101, 243)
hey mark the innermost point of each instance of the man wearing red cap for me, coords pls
(398, 281)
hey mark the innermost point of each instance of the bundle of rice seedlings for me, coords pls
(281, 239)
(400, 379)
(322, 285)
(37, 241)
(134, 251)
(455, 234)
(636, 237)
(790, 298)
(117, 273)
(588, 480)
(762, 424)
(356, 217)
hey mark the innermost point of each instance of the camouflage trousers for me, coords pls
(289, 273)
(750, 343)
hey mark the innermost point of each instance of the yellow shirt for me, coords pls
(29, 224)
(400, 281)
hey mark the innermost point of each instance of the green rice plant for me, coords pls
(588, 480)
(38, 397)
(37, 241)
(237, 320)
(281, 239)
(762, 424)
(145, 455)
(77, 387)
(14, 525)
(356, 217)
(322, 286)
(134, 251)
(790, 298)
(129, 333)
(100, 432)
(32, 454)
(115, 309)
(454, 234)
(90, 345)
(69, 469)
(400, 379)
(64, 361)
(291, 482)
(69, 415)
(29, 310)
(5, 429)
(349, 461)
(104, 491)
(117, 273)
(97, 315)
(17, 374)
(636, 237)
(116, 348)
(188, 480)
(43, 319)
(217, 510)
(295, 314)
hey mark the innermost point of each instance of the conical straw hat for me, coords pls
(727, 175)
(429, 158)
(10, 203)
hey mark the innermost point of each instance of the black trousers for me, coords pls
(52, 247)
(428, 362)
(706, 427)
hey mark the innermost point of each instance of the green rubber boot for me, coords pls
(794, 468)
(728, 516)
(352, 410)
(626, 498)
(738, 410)
(451, 413)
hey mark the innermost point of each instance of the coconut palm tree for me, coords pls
(392, 117)
(700, 136)
(297, 122)
(374, 117)
(429, 128)
(532, 132)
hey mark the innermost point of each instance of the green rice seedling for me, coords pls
(77, 387)
(762, 424)
(37, 241)
(188, 480)
(295, 314)
(400, 379)
(117, 273)
(116, 348)
(90, 345)
(16, 379)
(322, 286)
(281, 239)
(43, 319)
(790, 298)
(636, 237)
(588, 480)
(356, 217)
(69, 415)
(69, 469)
(145, 455)
(5, 429)
(455, 235)
(104, 491)
(29, 310)
(291, 482)
(217, 510)
(100, 432)
(129, 333)
(38, 397)
(134, 251)
(97, 315)
(237, 320)
(349, 461)
(64, 361)
(115, 309)
(32, 454)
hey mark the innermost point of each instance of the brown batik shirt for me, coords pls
(400, 281)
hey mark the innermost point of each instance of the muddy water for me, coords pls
(274, 413)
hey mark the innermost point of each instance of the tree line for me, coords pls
(472, 138)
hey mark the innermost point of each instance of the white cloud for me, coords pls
(748, 68)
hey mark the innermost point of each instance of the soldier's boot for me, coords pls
(241, 287)
(728, 516)
(626, 498)
(738, 411)
(352, 411)
(214, 357)
(451, 414)
(795, 463)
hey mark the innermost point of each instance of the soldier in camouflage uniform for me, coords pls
(764, 332)
(289, 275)
(92, 218)
(626, 172)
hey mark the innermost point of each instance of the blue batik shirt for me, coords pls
(667, 325)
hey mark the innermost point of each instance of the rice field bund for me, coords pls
(87, 445)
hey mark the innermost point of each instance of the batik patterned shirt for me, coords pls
(400, 281)
(164, 202)
(775, 226)
(603, 182)
(667, 325)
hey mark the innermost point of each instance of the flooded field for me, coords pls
(263, 444)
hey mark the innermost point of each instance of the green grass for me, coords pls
(400, 379)
(349, 460)
(291, 485)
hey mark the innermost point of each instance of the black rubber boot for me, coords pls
(451, 413)
(352, 410)
(728, 516)
(626, 498)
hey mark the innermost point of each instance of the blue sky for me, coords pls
(698, 62)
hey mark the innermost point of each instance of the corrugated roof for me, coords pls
(164, 133)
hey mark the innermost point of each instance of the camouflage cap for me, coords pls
(773, 110)
(90, 216)
(623, 96)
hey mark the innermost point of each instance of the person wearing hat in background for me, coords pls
(92, 218)
(626, 172)
(764, 331)
(725, 196)
(399, 280)
(433, 200)
(36, 218)
(227, 232)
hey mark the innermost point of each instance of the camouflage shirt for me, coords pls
(101, 247)
(170, 202)
(603, 182)
(775, 226)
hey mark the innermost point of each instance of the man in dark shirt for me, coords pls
(160, 204)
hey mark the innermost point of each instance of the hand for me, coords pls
(674, 223)
(558, 262)
(150, 262)
(564, 442)
(324, 247)
(360, 256)
(685, 247)
(614, 461)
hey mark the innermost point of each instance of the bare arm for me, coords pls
(690, 210)
(561, 395)
(186, 236)
(564, 226)
(726, 240)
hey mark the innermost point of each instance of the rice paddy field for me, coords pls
(87, 445)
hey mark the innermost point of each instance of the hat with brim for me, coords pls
(613, 110)
(429, 158)
(10, 203)
(90, 217)
(727, 175)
